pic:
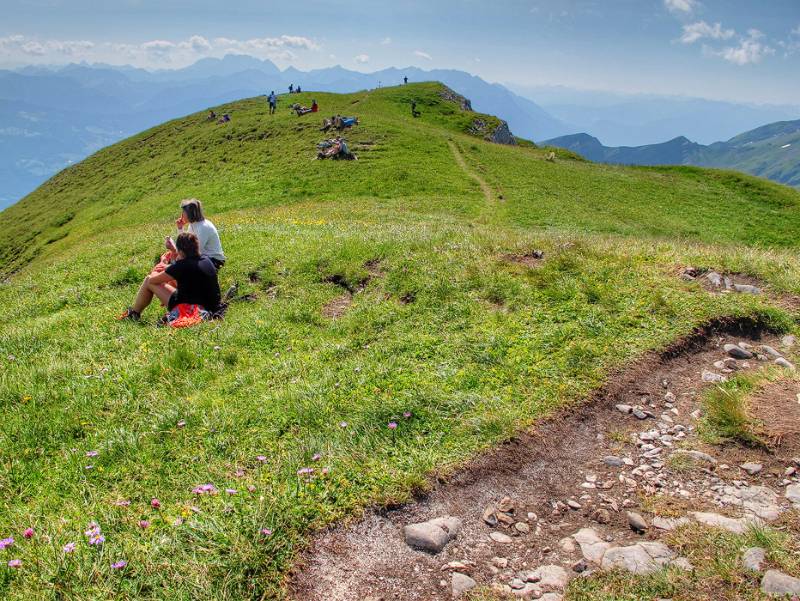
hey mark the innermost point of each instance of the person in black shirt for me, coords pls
(196, 279)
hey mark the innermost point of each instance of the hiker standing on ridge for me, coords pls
(405, 80)
(273, 102)
(291, 88)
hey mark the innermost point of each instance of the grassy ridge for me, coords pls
(448, 339)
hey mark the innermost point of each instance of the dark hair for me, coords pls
(188, 244)
(193, 209)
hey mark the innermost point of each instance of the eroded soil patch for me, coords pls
(558, 478)
(530, 259)
(776, 408)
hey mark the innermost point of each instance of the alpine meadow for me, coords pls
(394, 318)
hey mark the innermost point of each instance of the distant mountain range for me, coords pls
(51, 117)
(771, 151)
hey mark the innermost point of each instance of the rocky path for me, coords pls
(566, 499)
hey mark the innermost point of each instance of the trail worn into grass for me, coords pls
(561, 459)
(485, 188)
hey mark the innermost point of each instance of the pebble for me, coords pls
(522, 527)
(784, 363)
(490, 515)
(746, 289)
(770, 351)
(788, 341)
(793, 493)
(637, 523)
(624, 408)
(601, 516)
(572, 504)
(751, 468)
(580, 566)
(506, 505)
(710, 376)
(501, 538)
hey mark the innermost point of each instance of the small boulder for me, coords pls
(612, 461)
(737, 352)
(752, 468)
(793, 493)
(746, 289)
(550, 577)
(637, 523)
(753, 559)
(501, 538)
(624, 408)
(433, 535)
(592, 546)
(778, 584)
(784, 363)
(490, 515)
(461, 583)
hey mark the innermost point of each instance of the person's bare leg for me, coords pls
(162, 292)
(143, 297)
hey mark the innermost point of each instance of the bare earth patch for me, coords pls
(776, 407)
(584, 467)
(530, 259)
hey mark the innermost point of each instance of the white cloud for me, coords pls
(151, 53)
(422, 54)
(696, 31)
(361, 58)
(386, 41)
(680, 6)
(749, 51)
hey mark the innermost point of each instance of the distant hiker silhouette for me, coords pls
(405, 80)
(273, 102)
(291, 88)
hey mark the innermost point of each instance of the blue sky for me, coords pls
(730, 49)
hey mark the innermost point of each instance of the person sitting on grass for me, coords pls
(191, 280)
(193, 218)
(314, 106)
(211, 116)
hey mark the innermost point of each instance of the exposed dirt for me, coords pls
(530, 259)
(485, 188)
(338, 306)
(561, 459)
(776, 407)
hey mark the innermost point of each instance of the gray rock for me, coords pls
(669, 524)
(757, 500)
(636, 521)
(490, 515)
(580, 566)
(715, 520)
(502, 135)
(746, 289)
(639, 414)
(784, 363)
(737, 352)
(778, 584)
(788, 341)
(592, 546)
(641, 558)
(624, 408)
(710, 376)
(770, 351)
(461, 583)
(613, 461)
(753, 559)
(572, 504)
(714, 279)
(430, 536)
(551, 577)
(793, 493)
(752, 468)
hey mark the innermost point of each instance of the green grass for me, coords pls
(725, 408)
(474, 348)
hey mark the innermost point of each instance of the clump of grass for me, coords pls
(726, 412)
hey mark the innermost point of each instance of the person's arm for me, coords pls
(160, 278)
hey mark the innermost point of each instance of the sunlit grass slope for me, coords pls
(449, 340)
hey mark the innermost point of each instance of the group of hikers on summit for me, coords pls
(184, 279)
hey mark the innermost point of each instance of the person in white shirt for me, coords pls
(194, 221)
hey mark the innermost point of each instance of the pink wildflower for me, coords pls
(6, 542)
(143, 524)
(392, 425)
(69, 548)
(261, 459)
(15, 563)
(266, 532)
(122, 503)
(316, 457)
(251, 488)
(92, 453)
(28, 533)
(119, 564)
(155, 503)
(407, 414)
(230, 491)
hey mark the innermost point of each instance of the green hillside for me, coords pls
(440, 328)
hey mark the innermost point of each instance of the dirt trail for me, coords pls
(561, 460)
(485, 188)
